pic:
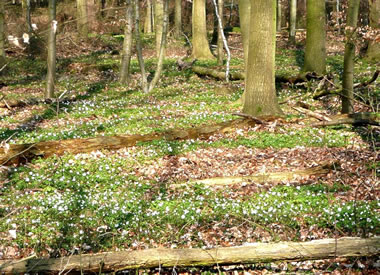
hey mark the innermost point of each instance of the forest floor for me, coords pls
(109, 200)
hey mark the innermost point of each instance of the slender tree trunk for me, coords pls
(260, 93)
(292, 21)
(245, 18)
(349, 54)
(161, 55)
(144, 81)
(315, 54)
(201, 48)
(158, 19)
(220, 35)
(178, 19)
(110, 8)
(373, 52)
(50, 81)
(102, 6)
(278, 16)
(82, 18)
(127, 44)
(148, 17)
(2, 22)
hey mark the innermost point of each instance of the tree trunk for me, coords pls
(201, 48)
(292, 21)
(50, 81)
(260, 93)
(278, 16)
(144, 81)
(373, 52)
(82, 18)
(315, 53)
(2, 22)
(301, 11)
(245, 19)
(158, 20)
(178, 19)
(127, 44)
(148, 17)
(220, 30)
(349, 55)
(165, 257)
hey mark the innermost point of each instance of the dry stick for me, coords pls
(255, 119)
(366, 83)
(312, 114)
(224, 41)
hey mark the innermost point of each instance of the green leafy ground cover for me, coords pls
(125, 199)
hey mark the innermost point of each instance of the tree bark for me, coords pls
(260, 93)
(354, 119)
(148, 17)
(201, 48)
(292, 21)
(2, 23)
(245, 19)
(178, 19)
(164, 257)
(50, 81)
(220, 34)
(373, 52)
(127, 44)
(315, 53)
(158, 20)
(82, 18)
(144, 81)
(349, 55)
(278, 16)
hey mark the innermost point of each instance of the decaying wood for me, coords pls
(366, 83)
(150, 258)
(17, 153)
(255, 119)
(312, 114)
(265, 177)
(354, 119)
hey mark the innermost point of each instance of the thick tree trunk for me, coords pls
(260, 93)
(2, 22)
(315, 53)
(220, 34)
(201, 49)
(127, 44)
(373, 52)
(144, 81)
(21, 152)
(292, 21)
(164, 257)
(148, 17)
(349, 55)
(82, 18)
(50, 81)
(158, 20)
(178, 19)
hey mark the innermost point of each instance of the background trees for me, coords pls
(51, 62)
(2, 50)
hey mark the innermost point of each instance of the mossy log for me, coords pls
(265, 177)
(150, 258)
(357, 119)
(18, 153)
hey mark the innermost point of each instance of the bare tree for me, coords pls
(50, 81)
(127, 44)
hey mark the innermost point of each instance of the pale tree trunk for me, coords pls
(220, 35)
(127, 44)
(2, 22)
(161, 55)
(349, 55)
(260, 93)
(201, 48)
(292, 21)
(148, 17)
(373, 52)
(278, 16)
(50, 81)
(245, 16)
(315, 53)
(82, 18)
(178, 19)
(158, 19)
(144, 81)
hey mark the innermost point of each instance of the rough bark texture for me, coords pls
(158, 20)
(18, 153)
(245, 19)
(201, 49)
(315, 53)
(349, 55)
(260, 94)
(292, 21)
(127, 44)
(373, 52)
(50, 81)
(251, 253)
(148, 17)
(2, 22)
(178, 19)
(82, 18)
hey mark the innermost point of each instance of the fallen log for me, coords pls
(265, 177)
(150, 258)
(312, 114)
(19, 153)
(357, 119)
